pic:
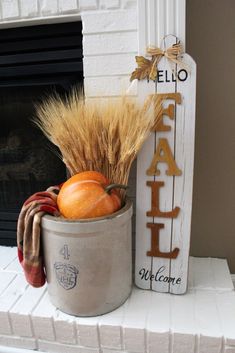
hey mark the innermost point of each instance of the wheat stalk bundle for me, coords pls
(104, 136)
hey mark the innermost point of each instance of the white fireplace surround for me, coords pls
(114, 31)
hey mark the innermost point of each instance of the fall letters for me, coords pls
(163, 154)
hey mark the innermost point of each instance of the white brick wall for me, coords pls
(109, 29)
(111, 37)
(110, 43)
(28, 8)
(20, 9)
(10, 9)
(48, 8)
(201, 321)
(110, 4)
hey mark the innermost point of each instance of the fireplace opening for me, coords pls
(35, 62)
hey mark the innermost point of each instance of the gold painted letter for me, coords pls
(163, 154)
(155, 211)
(155, 251)
(169, 111)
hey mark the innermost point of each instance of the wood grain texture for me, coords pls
(156, 19)
(166, 195)
(183, 186)
(155, 207)
(142, 197)
(172, 150)
(163, 154)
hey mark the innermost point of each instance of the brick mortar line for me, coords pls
(89, 34)
(108, 54)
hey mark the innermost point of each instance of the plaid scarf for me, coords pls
(28, 233)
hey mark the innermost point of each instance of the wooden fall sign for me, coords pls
(165, 179)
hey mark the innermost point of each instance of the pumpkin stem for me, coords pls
(109, 188)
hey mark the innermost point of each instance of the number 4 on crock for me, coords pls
(165, 180)
(64, 251)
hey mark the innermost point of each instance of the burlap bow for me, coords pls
(148, 68)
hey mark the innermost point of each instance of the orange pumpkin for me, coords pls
(88, 195)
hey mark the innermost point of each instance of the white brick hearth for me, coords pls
(202, 321)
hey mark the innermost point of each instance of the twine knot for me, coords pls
(148, 68)
(172, 53)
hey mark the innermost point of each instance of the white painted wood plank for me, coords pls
(8, 298)
(164, 17)
(21, 311)
(42, 319)
(177, 191)
(158, 323)
(166, 192)
(143, 195)
(183, 185)
(143, 238)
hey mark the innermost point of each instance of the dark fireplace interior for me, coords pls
(34, 62)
